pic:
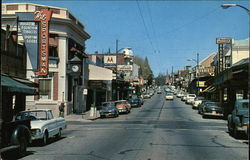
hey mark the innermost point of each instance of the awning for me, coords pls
(10, 85)
(209, 89)
(27, 82)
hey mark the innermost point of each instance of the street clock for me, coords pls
(75, 66)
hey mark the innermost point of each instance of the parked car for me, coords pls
(134, 101)
(200, 106)
(197, 101)
(184, 97)
(238, 120)
(169, 96)
(146, 96)
(190, 98)
(179, 94)
(141, 100)
(159, 92)
(212, 109)
(43, 124)
(108, 109)
(123, 106)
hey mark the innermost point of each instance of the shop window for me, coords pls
(45, 88)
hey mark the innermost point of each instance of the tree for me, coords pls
(145, 69)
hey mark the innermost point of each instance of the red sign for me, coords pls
(43, 16)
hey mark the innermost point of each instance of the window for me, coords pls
(45, 88)
(53, 51)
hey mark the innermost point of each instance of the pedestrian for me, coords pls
(61, 110)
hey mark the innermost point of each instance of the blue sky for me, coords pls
(167, 32)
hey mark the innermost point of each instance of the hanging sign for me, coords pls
(43, 16)
(30, 35)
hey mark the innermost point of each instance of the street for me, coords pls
(159, 130)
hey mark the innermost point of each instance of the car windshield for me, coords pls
(32, 115)
(191, 95)
(210, 104)
(245, 105)
(106, 104)
(119, 103)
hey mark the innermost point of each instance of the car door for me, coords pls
(52, 124)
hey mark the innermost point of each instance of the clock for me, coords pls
(75, 68)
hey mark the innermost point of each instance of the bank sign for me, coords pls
(109, 60)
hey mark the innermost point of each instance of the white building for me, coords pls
(67, 38)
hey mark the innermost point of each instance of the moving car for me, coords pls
(212, 109)
(43, 124)
(238, 121)
(108, 109)
(123, 106)
(169, 96)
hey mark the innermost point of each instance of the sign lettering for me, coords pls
(43, 16)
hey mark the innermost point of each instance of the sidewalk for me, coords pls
(82, 117)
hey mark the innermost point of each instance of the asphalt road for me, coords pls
(159, 130)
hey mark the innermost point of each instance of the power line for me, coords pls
(144, 24)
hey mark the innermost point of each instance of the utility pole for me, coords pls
(197, 74)
(117, 46)
(172, 74)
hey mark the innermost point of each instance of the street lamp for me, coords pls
(197, 71)
(225, 6)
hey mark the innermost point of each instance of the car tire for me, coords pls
(21, 151)
(45, 139)
(235, 133)
(59, 134)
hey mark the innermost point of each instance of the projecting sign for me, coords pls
(43, 16)
(30, 35)
(124, 67)
(223, 40)
(109, 60)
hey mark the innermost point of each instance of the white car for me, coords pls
(43, 124)
(190, 98)
(169, 96)
(197, 101)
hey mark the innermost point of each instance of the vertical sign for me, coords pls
(43, 16)
(30, 35)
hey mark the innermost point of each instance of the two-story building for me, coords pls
(67, 38)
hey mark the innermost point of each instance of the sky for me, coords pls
(167, 32)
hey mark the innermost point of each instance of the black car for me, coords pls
(135, 101)
(200, 106)
(212, 109)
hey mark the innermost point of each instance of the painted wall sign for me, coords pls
(110, 60)
(43, 16)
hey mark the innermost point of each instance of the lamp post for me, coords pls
(197, 72)
(225, 6)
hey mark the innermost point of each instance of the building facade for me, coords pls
(67, 38)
